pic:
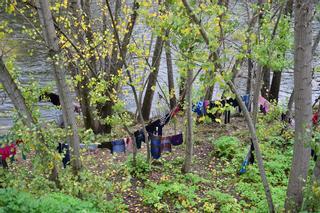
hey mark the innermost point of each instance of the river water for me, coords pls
(36, 67)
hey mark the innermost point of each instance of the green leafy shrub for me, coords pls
(12, 200)
(224, 202)
(163, 194)
(141, 169)
(226, 146)
(91, 187)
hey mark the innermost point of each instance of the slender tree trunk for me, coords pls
(276, 79)
(182, 87)
(189, 144)
(289, 8)
(255, 142)
(256, 93)
(172, 93)
(249, 80)
(156, 58)
(15, 95)
(81, 88)
(290, 103)
(209, 91)
(275, 86)
(259, 74)
(266, 83)
(303, 104)
(51, 38)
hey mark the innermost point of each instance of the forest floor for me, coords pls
(214, 184)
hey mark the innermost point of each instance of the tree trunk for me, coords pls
(256, 93)
(156, 58)
(189, 144)
(259, 72)
(172, 93)
(81, 88)
(15, 95)
(51, 39)
(255, 142)
(275, 86)
(249, 79)
(303, 104)
(266, 83)
(289, 8)
(182, 87)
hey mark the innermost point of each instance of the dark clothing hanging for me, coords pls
(105, 145)
(139, 138)
(176, 140)
(155, 147)
(64, 148)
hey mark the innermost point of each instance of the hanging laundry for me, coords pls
(8, 151)
(155, 147)
(139, 135)
(118, 146)
(154, 127)
(246, 100)
(264, 104)
(105, 145)
(176, 140)
(128, 144)
(64, 148)
(166, 144)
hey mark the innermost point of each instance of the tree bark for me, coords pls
(275, 86)
(303, 104)
(255, 142)
(172, 93)
(259, 73)
(15, 95)
(156, 58)
(256, 93)
(189, 143)
(51, 39)
(81, 88)
(266, 83)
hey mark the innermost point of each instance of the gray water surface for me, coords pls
(37, 67)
